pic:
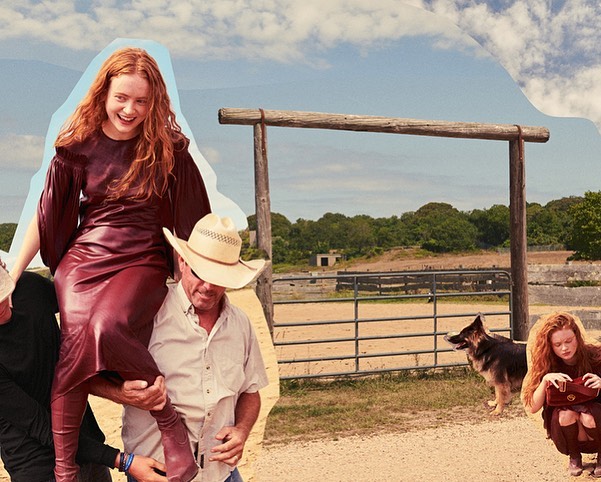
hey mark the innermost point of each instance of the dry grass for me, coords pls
(310, 410)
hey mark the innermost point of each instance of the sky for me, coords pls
(528, 62)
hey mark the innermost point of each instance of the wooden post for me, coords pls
(519, 243)
(263, 214)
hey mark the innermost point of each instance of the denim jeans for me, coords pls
(234, 477)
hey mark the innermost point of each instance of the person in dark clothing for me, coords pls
(29, 347)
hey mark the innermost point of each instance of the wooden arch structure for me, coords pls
(516, 135)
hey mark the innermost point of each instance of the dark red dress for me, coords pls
(109, 257)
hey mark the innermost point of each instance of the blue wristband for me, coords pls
(128, 462)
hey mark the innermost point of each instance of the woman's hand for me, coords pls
(553, 378)
(142, 469)
(539, 395)
(592, 380)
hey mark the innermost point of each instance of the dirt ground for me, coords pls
(503, 450)
(402, 260)
(469, 447)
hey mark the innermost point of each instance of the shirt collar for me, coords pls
(182, 300)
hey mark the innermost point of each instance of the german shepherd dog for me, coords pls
(501, 361)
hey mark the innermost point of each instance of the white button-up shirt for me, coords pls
(204, 373)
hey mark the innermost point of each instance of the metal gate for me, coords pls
(365, 323)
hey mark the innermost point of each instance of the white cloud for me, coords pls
(282, 30)
(527, 37)
(549, 48)
(211, 154)
(579, 94)
(21, 151)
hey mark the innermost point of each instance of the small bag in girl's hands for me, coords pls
(570, 393)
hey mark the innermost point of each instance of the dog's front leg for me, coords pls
(502, 398)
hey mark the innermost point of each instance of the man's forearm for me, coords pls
(247, 410)
(105, 388)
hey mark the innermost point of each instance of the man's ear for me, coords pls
(179, 267)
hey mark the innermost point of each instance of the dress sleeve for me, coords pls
(58, 209)
(189, 199)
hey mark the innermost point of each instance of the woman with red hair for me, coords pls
(121, 172)
(558, 353)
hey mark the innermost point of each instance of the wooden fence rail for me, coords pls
(391, 125)
(422, 283)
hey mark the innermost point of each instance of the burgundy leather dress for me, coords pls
(109, 258)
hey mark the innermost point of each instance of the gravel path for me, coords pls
(495, 451)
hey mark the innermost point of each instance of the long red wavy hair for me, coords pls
(543, 359)
(153, 158)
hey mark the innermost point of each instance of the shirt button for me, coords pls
(208, 390)
(208, 367)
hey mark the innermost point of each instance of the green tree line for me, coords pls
(7, 231)
(573, 223)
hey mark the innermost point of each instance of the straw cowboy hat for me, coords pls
(7, 285)
(213, 253)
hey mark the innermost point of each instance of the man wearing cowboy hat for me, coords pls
(29, 344)
(208, 352)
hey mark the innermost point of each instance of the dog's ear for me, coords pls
(479, 321)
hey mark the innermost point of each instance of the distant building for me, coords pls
(325, 259)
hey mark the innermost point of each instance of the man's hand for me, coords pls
(142, 469)
(233, 438)
(138, 394)
(231, 450)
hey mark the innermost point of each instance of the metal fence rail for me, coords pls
(370, 330)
